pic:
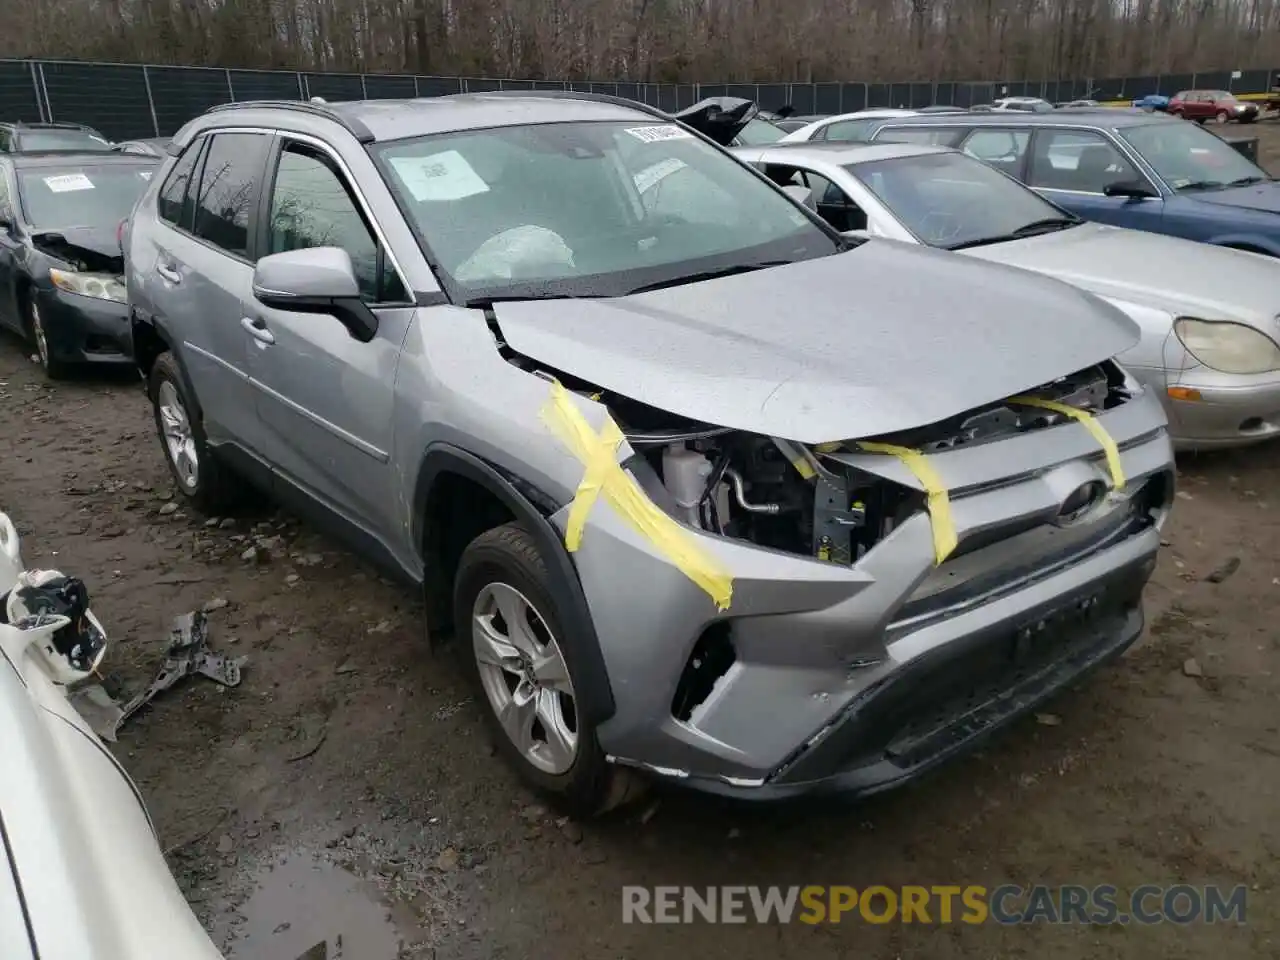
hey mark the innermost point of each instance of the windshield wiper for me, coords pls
(1047, 225)
(1032, 229)
(484, 301)
(709, 275)
(1245, 181)
(1201, 185)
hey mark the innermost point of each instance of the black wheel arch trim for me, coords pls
(160, 332)
(595, 695)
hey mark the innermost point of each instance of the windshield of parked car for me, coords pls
(37, 141)
(1189, 158)
(81, 195)
(590, 209)
(950, 200)
(759, 132)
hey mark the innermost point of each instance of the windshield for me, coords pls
(589, 209)
(949, 199)
(36, 141)
(1189, 157)
(81, 195)
(759, 132)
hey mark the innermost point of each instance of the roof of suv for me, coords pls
(378, 120)
(61, 158)
(1105, 117)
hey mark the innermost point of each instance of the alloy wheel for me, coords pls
(179, 441)
(525, 678)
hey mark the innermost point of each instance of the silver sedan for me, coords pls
(1210, 316)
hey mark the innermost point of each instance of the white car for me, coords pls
(82, 874)
(1023, 104)
(844, 127)
(1208, 314)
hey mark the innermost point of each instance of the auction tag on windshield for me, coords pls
(665, 131)
(68, 182)
(440, 176)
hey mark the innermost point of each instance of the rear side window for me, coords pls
(230, 179)
(929, 136)
(174, 191)
(848, 130)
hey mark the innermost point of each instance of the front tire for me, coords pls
(196, 472)
(53, 368)
(512, 648)
(1222, 117)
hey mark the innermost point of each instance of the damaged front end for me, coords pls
(851, 628)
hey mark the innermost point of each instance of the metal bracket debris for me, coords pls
(188, 653)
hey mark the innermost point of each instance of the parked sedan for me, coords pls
(1124, 167)
(1216, 105)
(82, 875)
(1208, 316)
(61, 268)
(1152, 101)
(845, 127)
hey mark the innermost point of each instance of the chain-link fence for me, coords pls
(132, 100)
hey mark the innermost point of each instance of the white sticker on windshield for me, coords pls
(68, 182)
(648, 177)
(441, 176)
(666, 131)
(145, 174)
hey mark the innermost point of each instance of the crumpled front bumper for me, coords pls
(854, 678)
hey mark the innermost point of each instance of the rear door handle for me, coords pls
(257, 328)
(168, 273)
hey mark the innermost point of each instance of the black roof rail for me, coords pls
(572, 95)
(352, 125)
(51, 124)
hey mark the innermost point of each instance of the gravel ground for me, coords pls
(347, 788)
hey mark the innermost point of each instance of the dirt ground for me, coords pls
(346, 789)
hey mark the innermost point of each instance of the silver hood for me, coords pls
(883, 338)
(1168, 273)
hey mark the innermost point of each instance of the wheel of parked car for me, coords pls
(513, 645)
(53, 368)
(199, 476)
(1222, 117)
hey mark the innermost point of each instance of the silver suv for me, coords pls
(706, 489)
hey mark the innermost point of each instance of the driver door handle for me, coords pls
(168, 273)
(257, 328)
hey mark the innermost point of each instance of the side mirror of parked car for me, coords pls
(1133, 189)
(316, 280)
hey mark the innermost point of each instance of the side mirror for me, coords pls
(857, 234)
(316, 280)
(1132, 189)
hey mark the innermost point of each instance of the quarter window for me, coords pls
(229, 182)
(848, 131)
(929, 136)
(174, 192)
(1077, 160)
(312, 207)
(1002, 149)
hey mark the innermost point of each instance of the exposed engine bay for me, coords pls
(806, 500)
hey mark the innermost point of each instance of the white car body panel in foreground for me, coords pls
(809, 131)
(1154, 278)
(82, 877)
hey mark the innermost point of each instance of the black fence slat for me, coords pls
(1135, 87)
(517, 84)
(899, 95)
(629, 91)
(608, 89)
(944, 94)
(771, 96)
(441, 86)
(854, 96)
(686, 95)
(548, 85)
(180, 93)
(581, 86)
(389, 88)
(922, 95)
(1252, 81)
(478, 85)
(747, 91)
(1175, 83)
(879, 95)
(335, 87)
(109, 97)
(668, 97)
(1213, 80)
(264, 85)
(815, 98)
(18, 92)
(706, 90)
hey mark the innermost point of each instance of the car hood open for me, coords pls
(719, 118)
(1167, 273)
(885, 337)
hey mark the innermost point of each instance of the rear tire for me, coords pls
(1222, 117)
(196, 472)
(512, 648)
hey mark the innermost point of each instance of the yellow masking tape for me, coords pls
(605, 477)
(944, 528)
(1090, 423)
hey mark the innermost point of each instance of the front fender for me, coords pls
(1248, 242)
(594, 693)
